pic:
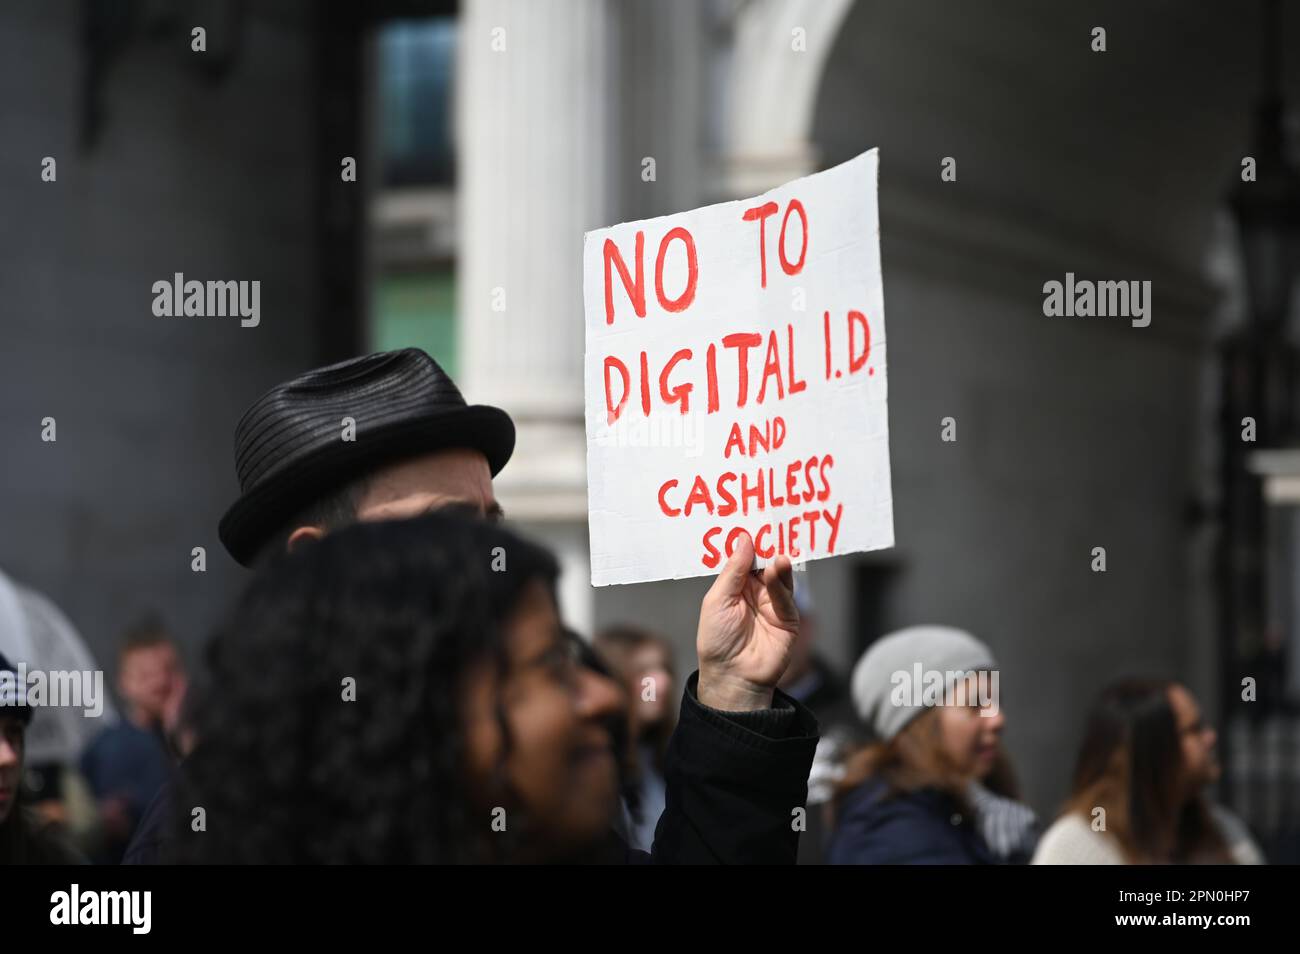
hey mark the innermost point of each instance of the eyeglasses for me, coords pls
(563, 658)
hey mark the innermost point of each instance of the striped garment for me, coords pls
(1009, 828)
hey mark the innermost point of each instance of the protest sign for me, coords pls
(735, 381)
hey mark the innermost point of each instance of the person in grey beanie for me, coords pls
(929, 695)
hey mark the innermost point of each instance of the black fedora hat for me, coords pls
(289, 446)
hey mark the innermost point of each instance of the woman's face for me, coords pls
(11, 763)
(560, 763)
(970, 736)
(1196, 739)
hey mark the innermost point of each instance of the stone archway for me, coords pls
(778, 51)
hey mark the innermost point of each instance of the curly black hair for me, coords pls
(285, 770)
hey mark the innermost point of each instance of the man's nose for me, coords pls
(8, 754)
(598, 696)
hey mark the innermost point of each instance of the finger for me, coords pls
(778, 578)
(734, 573)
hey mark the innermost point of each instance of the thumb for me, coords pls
(730, 584)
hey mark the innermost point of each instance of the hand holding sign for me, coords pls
(748, 625)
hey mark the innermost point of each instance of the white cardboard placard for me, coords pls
(736, 381)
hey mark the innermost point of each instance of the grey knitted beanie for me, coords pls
(899, 656)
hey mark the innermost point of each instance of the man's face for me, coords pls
(11, 762)
(560, 762)
(148, 678)
(446, 480)
(457, 480)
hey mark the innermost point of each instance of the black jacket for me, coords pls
(927, 827)
(735, 781)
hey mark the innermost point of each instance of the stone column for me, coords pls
(536, 92)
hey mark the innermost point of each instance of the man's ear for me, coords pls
(303, 535)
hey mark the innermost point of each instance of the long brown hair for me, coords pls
(1131, 766)
(912, 760)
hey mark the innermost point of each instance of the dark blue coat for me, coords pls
(926, 827)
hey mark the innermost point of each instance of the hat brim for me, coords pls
(286, 491)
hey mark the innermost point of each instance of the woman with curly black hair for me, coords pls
(406, 692)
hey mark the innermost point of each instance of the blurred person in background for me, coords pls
(642, 662)
(35, 632)
(474, 732)
(906, 797)
(127, 763)
(810, 678)
(1139, 786)
(814, 682)
(25, 838)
